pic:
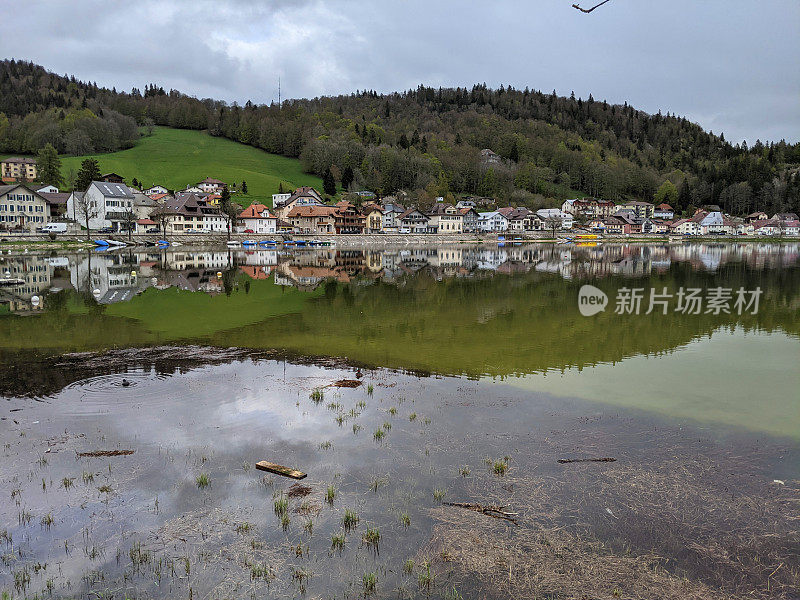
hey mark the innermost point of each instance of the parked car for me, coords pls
(106, 230)
(153, 230)
(249, 231)
(53, 228)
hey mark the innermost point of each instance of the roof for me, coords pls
(190, 204)
(145, 222)
(55, 198)
(312, 210)
(113, 190)
(664, 207)
(441, 208)
(212, 180)
(19, 159)
(408, 212)
(158, 196)
(255, 211)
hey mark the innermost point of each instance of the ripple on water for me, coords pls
(103, 393)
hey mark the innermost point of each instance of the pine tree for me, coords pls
(244, 186)
(347, 178)
(328, 182)
(48, 166)
(89, 172)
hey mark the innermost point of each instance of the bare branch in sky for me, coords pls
(588, 10)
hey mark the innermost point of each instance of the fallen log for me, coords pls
(564, 461)
(498, 512)
(264, 465)
(98, 453)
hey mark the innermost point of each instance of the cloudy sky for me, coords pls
(730, 65)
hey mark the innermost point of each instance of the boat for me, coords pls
(248, 243)
(162, 243)
(116, 243)
(268, 243)
(100, 243)
(233, 244)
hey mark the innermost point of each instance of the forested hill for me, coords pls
(428, 141)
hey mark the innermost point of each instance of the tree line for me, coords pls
(428, 141)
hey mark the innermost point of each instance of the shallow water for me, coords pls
(474, 358)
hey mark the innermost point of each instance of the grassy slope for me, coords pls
(176, 158)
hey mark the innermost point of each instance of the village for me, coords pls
(109, 206)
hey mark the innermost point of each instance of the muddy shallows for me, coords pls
(417, 487)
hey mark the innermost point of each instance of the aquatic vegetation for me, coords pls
(87, 477)
(24, 517)
(426, 577)
(280, 504)
(372, 536)
(438, 495)
(285, 521)
(393, 411)
(138, 556)
(356, 428)
(260, 571)
(464, 471)
(6, 536)
(378, 482)
(408, 566)
(370, 389)
(317, 395)
(387, 426)
(361, 405)
(67, 482)
(370, 582)
(334, 406)
(326, 445)
(47, 520)
(500, 467)
(330, 494)
(379, 435)
(202, 481)
(337, 541)
(308, 527)
(350, 519)
(243, 527)
(405, 519)
(412, 417)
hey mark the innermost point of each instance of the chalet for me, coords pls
(190, 213)
(302, 196)
(616, 225)
(18, 168)
(413, 221)
(769, 227)
(256, 218)
(664, 211)
(156, 189)
(47, 189)
(112, 178)
(712, 223)
(57, 202)
(785, 217)
(470, 218)
(209, 185)
(756, 216)
(391, 213)
(311, 218)
(493, 221)
(640, 209)
(108, 205)
(445, 218)
(589, 207)
(347, 218)
(521, 219)
(373, 215)
(488, 157)
(567, 220)
(22, 208)
(685, 227)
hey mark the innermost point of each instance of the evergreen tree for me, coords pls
(89, 172)
(328, 182)
(347, 178)
(48, 166)
(403, 141)
(244, 186)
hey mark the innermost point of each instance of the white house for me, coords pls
(686, 227)
(156, 189)
(47, 189)
(280, 198)
(257, 218)
(107, 203)
(209, 185)
(492, 221)
(714, 222)
(567, 220)
(21, 207)
(664, 211)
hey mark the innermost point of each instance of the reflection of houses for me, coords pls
(109, 277)
(33, 275)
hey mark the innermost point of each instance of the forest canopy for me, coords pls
(544, 146)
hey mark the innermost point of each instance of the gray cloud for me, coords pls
(731, 66)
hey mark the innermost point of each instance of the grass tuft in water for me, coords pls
(243, 527)
(393, 411)
(408, 566)
(202, 481)
(317, 395)
(47, 521)
(412, 417)
(67, 482)
(500, 467)
(405, 519)
(330, 494)
(370, 582)
(350, 519)
(426, 577)
(370, 390)
(372, 536)
(281, 504)
(337, 542)
(464, 471)
(438, 495)
(285, 521)
(379, 435)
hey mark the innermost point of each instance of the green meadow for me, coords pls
(176, 158)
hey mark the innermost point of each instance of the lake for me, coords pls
(429, 393)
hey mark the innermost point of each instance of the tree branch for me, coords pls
(588, 10)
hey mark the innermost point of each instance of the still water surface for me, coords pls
(467, 357)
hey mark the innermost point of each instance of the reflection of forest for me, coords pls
(475, 311)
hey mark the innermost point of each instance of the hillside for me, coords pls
(176, 158)
(428, 141)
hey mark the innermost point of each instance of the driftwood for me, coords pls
(564, 461)
(97, 453)
(279, 470)
(588, 10)
(498, 512)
